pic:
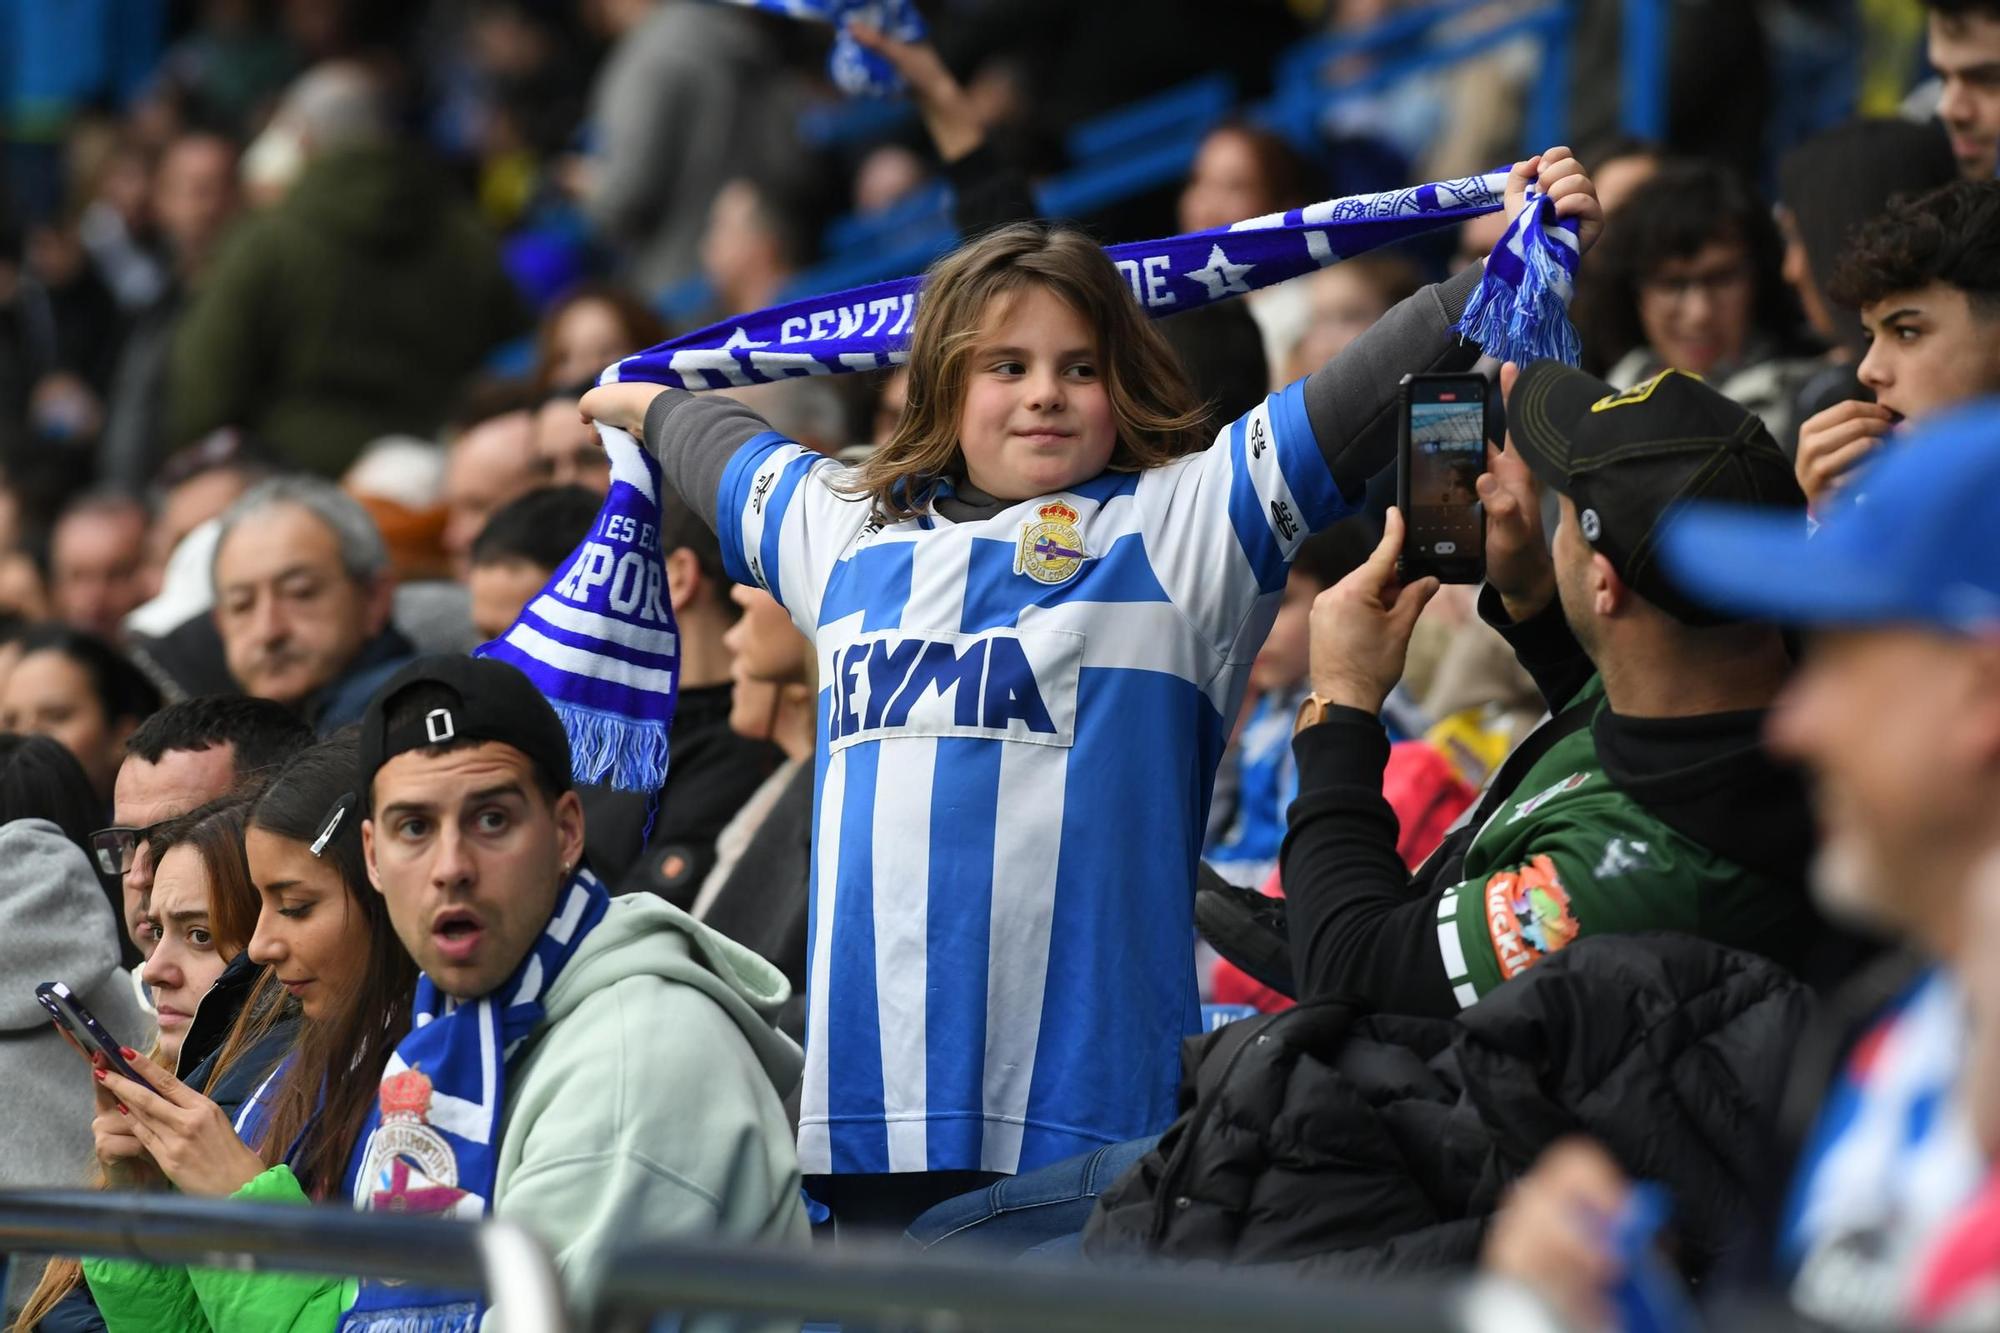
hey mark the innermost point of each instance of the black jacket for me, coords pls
(1338, 1143)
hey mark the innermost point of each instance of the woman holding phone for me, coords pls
(323, 934)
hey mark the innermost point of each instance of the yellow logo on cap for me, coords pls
(1638, 393)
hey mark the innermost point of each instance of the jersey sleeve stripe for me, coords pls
(1248, 518)
(737, 526)
(775, 510)
(1306, 474)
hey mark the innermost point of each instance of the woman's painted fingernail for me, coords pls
(97, 1074)
(128, 1052)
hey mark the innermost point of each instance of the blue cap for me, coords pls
(1919, 544)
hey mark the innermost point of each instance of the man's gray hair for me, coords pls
(362, 552)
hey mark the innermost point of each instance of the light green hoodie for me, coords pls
(648, 1105)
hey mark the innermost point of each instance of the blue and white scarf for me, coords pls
(432, 1143)
(855, 69)
(601, 645)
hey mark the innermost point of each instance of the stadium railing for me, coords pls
(513, 1268)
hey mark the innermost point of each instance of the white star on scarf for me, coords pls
(1221, 277)
(742, 339)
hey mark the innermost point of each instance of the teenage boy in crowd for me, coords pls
(1963, 46)
(640, 1080)
(185, 755)
(1925, 277)
(1645, 803)
(1896, 713)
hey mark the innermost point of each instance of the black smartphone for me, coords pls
(1440, 452)
(70, 1015)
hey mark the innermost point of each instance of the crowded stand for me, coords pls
(1341, 641)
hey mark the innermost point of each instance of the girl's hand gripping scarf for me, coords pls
(432, 1143)
(600, 639)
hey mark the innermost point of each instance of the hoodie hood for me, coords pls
(55, 924)
(646, 936)
(376, 197)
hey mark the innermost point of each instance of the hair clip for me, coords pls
(332, 824)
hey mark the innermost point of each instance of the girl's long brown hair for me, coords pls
(337, 1062)
(1158, 416)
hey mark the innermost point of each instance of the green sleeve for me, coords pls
(1595, 870)
(219, 365)
(143, 1298)
(266, 1302)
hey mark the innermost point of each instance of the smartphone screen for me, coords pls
(69, 1013)
(1444, 452)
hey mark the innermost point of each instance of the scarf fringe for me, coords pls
(625, 752)
(1530, 323)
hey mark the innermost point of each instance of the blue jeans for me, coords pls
(1042, 1211)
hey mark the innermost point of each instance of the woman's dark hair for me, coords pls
(1685, 206)
(121, 688)
(40, 779)
(215, 832)
(343, 1053)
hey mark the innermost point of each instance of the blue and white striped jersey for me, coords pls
(1020, 720)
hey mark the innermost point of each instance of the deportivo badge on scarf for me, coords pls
(600, 640)
(431, 1144)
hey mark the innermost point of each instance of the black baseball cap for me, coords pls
(479, 699)
(1626, 459)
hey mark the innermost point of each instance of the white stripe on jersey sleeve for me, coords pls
(815, 1139)
(1026, 846)
(902, 890)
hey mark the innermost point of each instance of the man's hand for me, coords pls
(621, 405)
(1518, 564)
(1557, 174)
(1833, 441)
(1361, 627)
(948, 113)
(184, 1133)
(1550, 1233)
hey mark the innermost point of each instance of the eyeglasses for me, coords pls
(115, 847)
(1714, 283)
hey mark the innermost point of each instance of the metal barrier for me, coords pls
(511, 1266)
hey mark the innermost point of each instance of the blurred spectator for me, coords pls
(1964, 48)
(116, 224)
(76, 688)
(717, 763)
(889, 174)
(756, 890)
(185, 755)
(588, 329)
(302, 598)
(1621, 165)
(889, 404)
(490, 461)
(1343, 302)
(97, 563)
(193, 487)
(1925, 277)
(758, 238)
(1244, 171)
(567, 444)
(230, 66)
(804, 408)
(194, 200)
(1690, 279)
(53, 927)
(1829, 186)
(521, 547)
(399, 480)
(344, 312)
(690, 95)
(1222, 350)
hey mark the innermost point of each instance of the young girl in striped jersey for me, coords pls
(1034, 609)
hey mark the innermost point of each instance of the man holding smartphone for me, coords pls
(1644, 803)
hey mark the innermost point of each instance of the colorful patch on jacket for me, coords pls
(1528, 915)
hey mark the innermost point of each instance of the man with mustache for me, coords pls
(302, 600)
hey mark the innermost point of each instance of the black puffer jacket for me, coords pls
(1347, 1144)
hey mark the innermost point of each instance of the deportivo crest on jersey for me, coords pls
(1051, 548)
(1528, 916)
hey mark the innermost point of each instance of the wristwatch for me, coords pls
(1312, 712)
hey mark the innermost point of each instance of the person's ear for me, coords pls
(1608, 593)
(569, 829)
(368, 854)
(684, 578)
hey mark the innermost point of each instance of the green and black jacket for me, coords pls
(1597, 824)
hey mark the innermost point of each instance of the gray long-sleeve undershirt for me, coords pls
(1351, 401)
